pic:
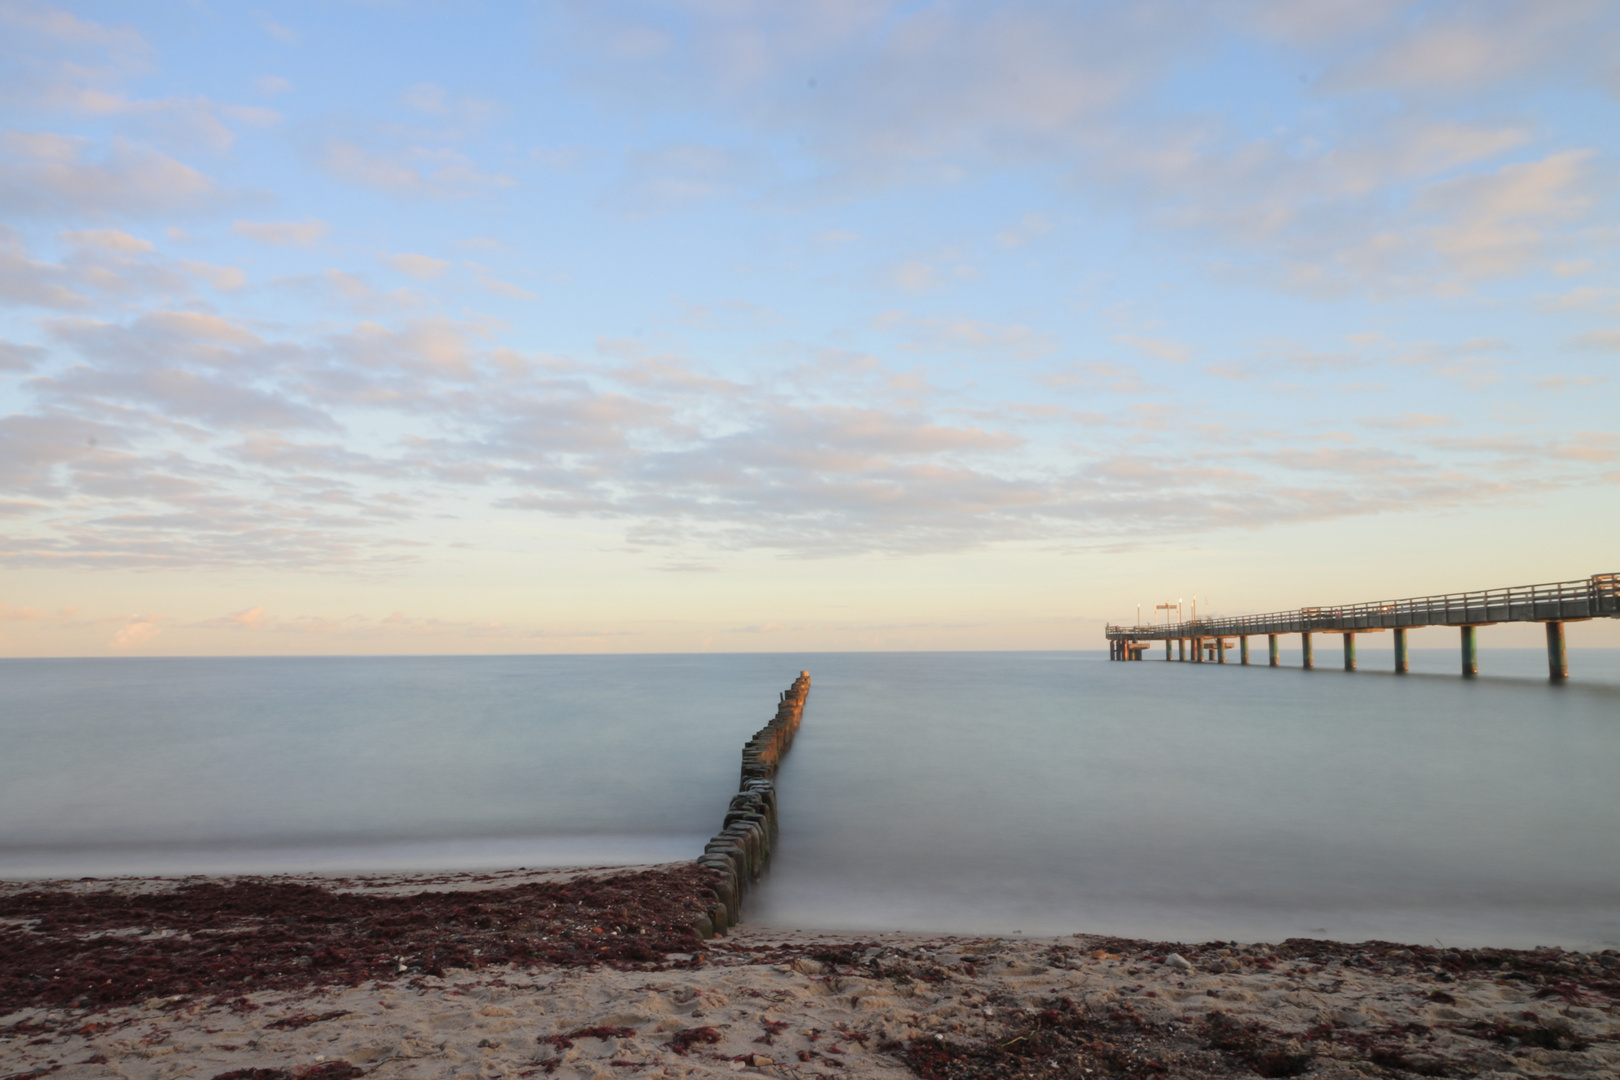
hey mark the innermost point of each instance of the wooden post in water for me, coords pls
(1403, 662)
(1470, 651)
(1557, 655)
(1271, 649)
(1310, 654)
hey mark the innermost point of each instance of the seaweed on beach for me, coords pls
(99, 948)
(1060, 1040)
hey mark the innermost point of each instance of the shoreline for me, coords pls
(448, 993)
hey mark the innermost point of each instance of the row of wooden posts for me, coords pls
(1213, 650)
(741, 850)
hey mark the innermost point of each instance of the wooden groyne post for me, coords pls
(1553, 605)
(741, 850)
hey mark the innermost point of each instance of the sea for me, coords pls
(991, 793)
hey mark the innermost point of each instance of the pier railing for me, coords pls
(1561, 601)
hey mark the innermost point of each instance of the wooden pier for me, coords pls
(1596, 597)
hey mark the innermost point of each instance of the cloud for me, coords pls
(1097, 377)
(282, 233)
(14, 357)
(1567, 382)
(1411, 421)
(420, 267)
(676, 175)
(1500, 221)
(272, 85)
(981, 336)
(1030, 227)
(283, 34)
(1157, 348)
(1466, 48)
(1600, 340)
(419, 172)
(136, 633)
(45, 174)
(506, 289)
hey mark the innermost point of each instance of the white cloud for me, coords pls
(1602, 340)
(497, 287)
(50, 174)
(420, 267)
(425, 172)
(136, 633)
(282, 233)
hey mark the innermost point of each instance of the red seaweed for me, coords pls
(95, 949)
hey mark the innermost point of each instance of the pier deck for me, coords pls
(1554, 604)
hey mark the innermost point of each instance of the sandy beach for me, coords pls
(594, 974)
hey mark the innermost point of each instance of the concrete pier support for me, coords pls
(1243, 650)
(1557, 655)
(1220, 649)
(1349, 652)
(1198, 650)
(1271, 650)
(1181, 649)
(1309, 653)
(1470, 651)
(1403, 661)
(1167, 650)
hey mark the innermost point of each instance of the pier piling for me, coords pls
(1552, 604)
(1557, 656)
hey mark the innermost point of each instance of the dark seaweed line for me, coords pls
(741, 850)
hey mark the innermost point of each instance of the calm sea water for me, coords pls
(979, 792)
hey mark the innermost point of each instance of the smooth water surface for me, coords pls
(1050, 793)
(980, 792)
(224, 764)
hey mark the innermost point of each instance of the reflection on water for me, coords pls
(984, 792)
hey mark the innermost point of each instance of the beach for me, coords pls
(597, 973)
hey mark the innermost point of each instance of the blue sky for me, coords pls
(441, 327)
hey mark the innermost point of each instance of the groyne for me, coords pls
(741, 850)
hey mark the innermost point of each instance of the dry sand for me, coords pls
(800, 1004)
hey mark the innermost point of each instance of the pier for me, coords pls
(1209, 640)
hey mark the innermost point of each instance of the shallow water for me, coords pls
(982, 792)
(1050, 793)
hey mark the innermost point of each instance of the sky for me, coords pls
(736, 325)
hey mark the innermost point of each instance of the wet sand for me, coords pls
(327, 978)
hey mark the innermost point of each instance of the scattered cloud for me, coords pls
(1601, 340)
(417, 171)
(420, 267)
(1030, 227)
(137, 632)
(50, 175)
(282, 233)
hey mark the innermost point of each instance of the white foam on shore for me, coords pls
(486, 853)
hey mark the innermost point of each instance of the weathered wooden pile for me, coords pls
(742, 849)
